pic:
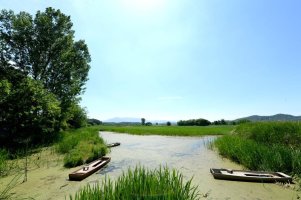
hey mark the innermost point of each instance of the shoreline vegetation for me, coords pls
(141, 183)
(170, 130)
(265, 146)
(270, 146)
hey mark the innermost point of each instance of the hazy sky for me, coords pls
(182, 59)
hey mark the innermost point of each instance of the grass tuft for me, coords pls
(141, 184)
(81, 146)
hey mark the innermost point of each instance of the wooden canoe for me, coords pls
(252, 176)
(113, 144)
(89, 169)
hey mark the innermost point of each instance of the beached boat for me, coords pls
(113, 144)
(254, 176)
(89, 169)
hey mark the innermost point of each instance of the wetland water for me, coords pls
(192, 158)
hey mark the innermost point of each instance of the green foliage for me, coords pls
(148, 124)
(141, 183)
(170, 130)
(142, 121)
(168, 124)
(43, 48)
(220, 122)
(94, 122)
(43, 70)
(73, 158)
(77, 116)
(28, 111)
(81, 146)
(3, 161)
(194, 122)
(269, 146)
(285, 133)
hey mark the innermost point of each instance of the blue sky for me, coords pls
(176, 59)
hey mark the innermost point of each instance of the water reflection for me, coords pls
(192, 158)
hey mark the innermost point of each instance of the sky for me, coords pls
(177, 60)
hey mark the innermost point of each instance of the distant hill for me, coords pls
(123, 119)
(134, 120)
(277, 117)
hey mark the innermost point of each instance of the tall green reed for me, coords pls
(258, 156)
(282, 133)
(81, 145)
(141, 184)
(3, 162)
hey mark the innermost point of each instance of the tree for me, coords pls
(142, 121)
(78, 116)
(194, 122)
(148, 124)
(168, 124)
(28, 112)
(44, 49)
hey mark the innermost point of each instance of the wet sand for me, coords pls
(187, 154)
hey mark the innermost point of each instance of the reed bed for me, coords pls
(141, 184)
(3, 162)
(264, 146)
(81, 145)
(171, 130)
(282, 133)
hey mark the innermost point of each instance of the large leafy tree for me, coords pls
(28, 112)
(43, 71)
(43, 48)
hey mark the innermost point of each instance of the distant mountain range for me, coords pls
(255, 118)
(133, 120)
(277, 117)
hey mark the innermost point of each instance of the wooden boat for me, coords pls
(253, 176)
(89, 169)
(113, 144)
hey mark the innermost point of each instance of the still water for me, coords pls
(192, 158)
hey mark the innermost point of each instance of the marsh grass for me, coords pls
(142, 184)
(81, 146)
(171, 130)
(5, 193)
(264, 146)
(3, 162)
(281, 133)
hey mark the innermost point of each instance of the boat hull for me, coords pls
(113, 144)
(250, 176)
(89, 169)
